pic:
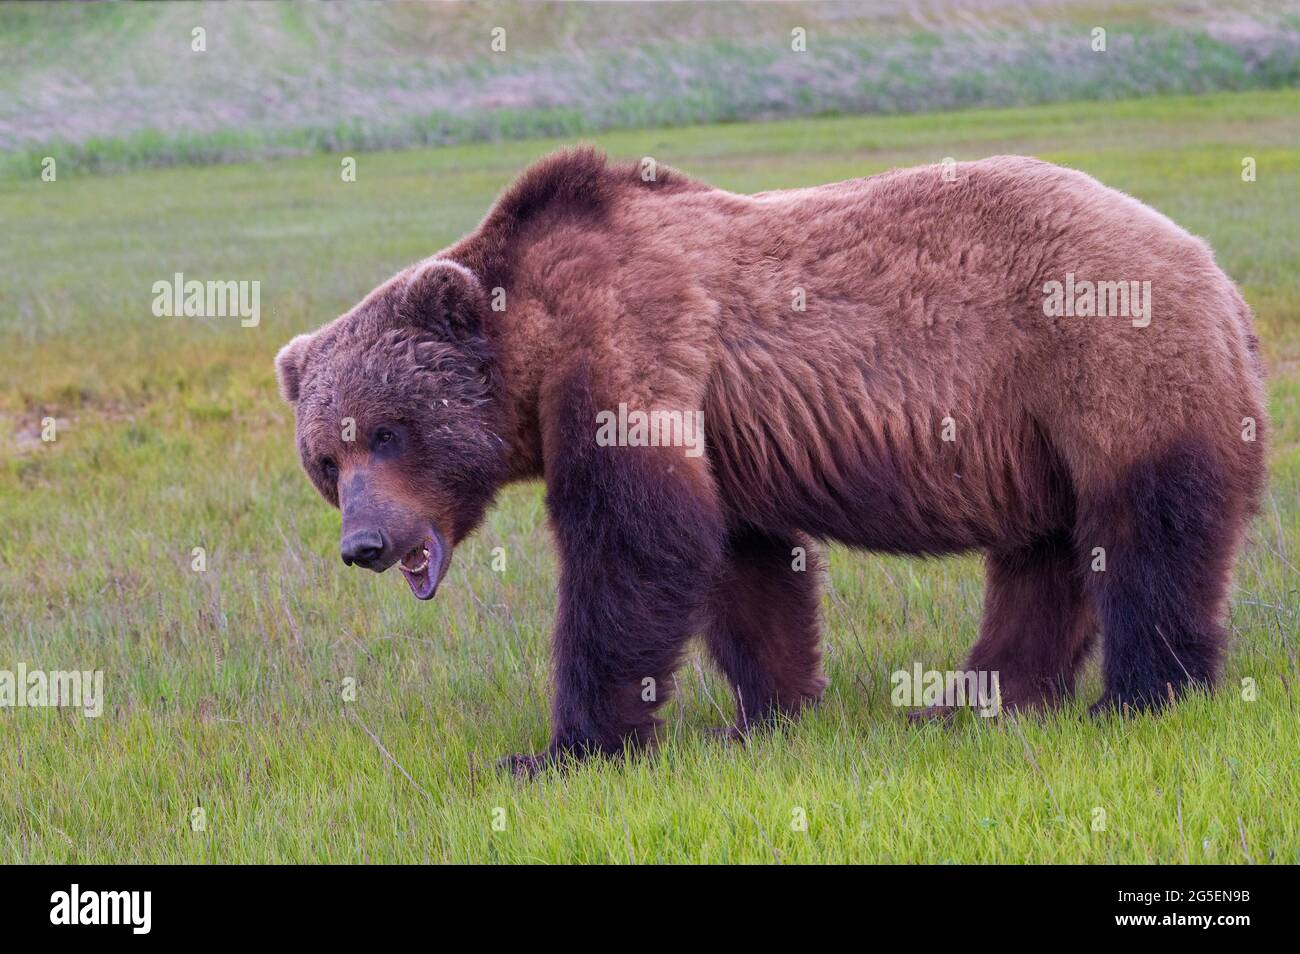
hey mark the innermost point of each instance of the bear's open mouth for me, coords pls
(423, 567)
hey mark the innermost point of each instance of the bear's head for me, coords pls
(399, 419)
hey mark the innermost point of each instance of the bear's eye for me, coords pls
(386, 441)
(329, 468)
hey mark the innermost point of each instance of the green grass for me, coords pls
(223, 687)
(113, 87)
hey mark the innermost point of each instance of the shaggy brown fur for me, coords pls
(923, 403)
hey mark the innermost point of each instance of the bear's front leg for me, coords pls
(764, 627)
(640, 540)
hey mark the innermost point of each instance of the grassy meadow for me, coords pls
(129, 85)
(225, 687)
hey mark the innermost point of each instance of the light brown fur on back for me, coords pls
(923, 305)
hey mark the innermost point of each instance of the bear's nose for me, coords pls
(362, 546)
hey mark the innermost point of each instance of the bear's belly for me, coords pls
(992, 491)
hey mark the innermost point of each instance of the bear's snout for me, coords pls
(363, 548)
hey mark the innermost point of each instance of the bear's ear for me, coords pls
(289, 365)
(444, 297)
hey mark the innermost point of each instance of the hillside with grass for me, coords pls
(113, 86)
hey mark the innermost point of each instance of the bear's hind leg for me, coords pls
(1169, 529)
(1037, 626)
(764, 628)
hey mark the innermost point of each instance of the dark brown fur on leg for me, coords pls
(1037, 626)
(1169, 527)
(764, 629)
(640, 539)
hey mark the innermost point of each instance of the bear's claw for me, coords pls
(524, 766)
(942, 715)
(729, 733)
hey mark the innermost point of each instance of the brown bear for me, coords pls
(1003, 356)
